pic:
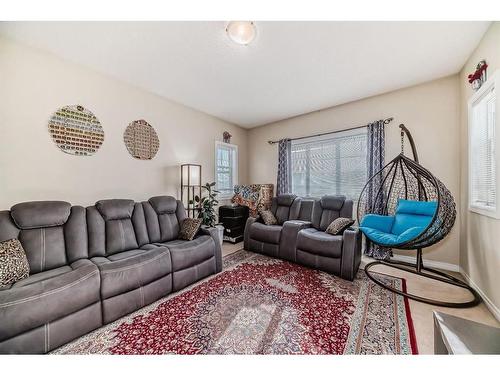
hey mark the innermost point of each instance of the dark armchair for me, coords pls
(266, 239)
(336, 254)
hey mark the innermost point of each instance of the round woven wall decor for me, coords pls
(141, 140)
(76, 131)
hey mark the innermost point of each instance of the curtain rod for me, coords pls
(386, 121)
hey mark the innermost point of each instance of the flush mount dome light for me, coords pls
(241, 32)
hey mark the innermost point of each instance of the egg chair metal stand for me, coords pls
(404, 178)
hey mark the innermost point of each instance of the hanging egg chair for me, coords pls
(404, 206)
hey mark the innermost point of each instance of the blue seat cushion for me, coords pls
(380, 222)
(390, 239)
(410, 221)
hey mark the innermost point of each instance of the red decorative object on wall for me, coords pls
(477, 78)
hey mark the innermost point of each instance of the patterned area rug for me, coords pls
(262, 305)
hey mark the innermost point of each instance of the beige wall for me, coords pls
(480, 235)
(34, 84)
(429, 110)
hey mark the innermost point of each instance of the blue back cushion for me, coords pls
(416, 207)
(410, 214)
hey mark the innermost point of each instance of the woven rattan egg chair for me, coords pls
(404, 206)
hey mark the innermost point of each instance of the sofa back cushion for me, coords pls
(52, 233)
(306, 206)
(328, 208)
(115, 225)
(285, 207)
(163, 215)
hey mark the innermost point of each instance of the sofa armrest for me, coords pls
(288, 238)
(351, 253)
(248, 228)
(214, 233)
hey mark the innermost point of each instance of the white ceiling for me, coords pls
(291, 68)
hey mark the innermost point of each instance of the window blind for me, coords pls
(482, 153)
(224, 169)
(330, 164)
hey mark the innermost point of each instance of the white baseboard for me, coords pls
(489, 303)
(430, 263)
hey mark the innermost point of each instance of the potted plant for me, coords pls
(207, 205)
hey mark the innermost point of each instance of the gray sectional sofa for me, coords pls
(300, 234)
(91, 266)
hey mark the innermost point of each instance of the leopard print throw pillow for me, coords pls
(189, 228)
(14, 265)
(268, 218)
(339, 225)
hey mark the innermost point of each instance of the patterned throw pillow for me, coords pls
(339, 225)
(189, 228)
(268, 217)
(14, 265)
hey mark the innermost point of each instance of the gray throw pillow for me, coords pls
(14, 265)
(339, 225)
(189, 228)
(268, 218)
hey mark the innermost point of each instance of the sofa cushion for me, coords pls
(268, 218)
(266, 233)
(189, 228)
(186, 254)
(320, 243)
(339, 225)
(329, 208)
(132, 270)
(115, 209)
(327, 217)
(332, 202)
(13, 262)
(163, 217)
(120, 236)
(125, 254)
(41, 276)
(30, 215)
(163, 204)
(118, 232)
(285, 199)
(32, 304)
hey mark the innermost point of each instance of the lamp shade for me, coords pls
(190, 174)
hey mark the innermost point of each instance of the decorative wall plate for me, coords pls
(76, 130)
(141, 140)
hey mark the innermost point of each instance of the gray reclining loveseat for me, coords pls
(300, 236)
(91, 266)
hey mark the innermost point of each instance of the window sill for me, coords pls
(493, 213)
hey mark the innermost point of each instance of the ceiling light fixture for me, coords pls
(241, 32)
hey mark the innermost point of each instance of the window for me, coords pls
(330, 164)
(483, 180)
(226, 168)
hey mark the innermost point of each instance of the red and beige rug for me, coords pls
(261, 305)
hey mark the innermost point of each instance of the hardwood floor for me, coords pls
(421, 312)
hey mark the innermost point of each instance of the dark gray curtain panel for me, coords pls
(284, 167)
(375, 154)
